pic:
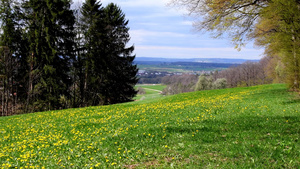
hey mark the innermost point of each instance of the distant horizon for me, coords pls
(186, 58)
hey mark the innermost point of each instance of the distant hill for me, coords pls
(202, 60)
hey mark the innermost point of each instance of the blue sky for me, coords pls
(160, 31)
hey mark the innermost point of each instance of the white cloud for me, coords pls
(137, 3)
(144, 34)
(162, 38)
(189, 23)
(157, 8)
(180, 52)
(180, 39)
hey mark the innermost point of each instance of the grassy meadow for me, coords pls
(255, 127)
(153, 91)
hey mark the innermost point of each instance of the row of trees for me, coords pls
(273, 24)
(54, 57)
(244, 75)
(179, 84)
(188, 83)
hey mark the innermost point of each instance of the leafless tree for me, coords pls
(179, 84)
(247, 74)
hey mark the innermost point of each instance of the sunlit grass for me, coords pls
(256, 127)
(153, 91)
(153, 86)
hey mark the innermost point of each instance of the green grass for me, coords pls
(155, 86)
(152, 92)
(162, 69)
(256, 127)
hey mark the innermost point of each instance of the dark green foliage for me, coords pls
(10, 35)
(121, 71)
(91, 78)
(52, 65)
(109, 73)
(51, 42)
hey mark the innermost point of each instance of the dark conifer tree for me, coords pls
(93, 66)
(110, 75)
(40, 37)
(9, 35)
(51, 38)
(121, 72)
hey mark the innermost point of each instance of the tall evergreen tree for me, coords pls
(121, 72)
(109, 75)
(51, 36)
(93, 62)
(40, 35)
(9, 35)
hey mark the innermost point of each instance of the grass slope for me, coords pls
(153, 86)
(152, 92)
(256, 127)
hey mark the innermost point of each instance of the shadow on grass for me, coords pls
(249, 128)
(267, 142)
(292, 101)
(278, 93)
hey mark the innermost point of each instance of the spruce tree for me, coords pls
(121, 72)
(92, 61)
(50, 25)
(109, 75)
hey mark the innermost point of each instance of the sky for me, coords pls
(160, 31)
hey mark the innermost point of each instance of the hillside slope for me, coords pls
(256, 127)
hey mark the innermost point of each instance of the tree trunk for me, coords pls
(30, 84)
(296, 69)
(2, 104)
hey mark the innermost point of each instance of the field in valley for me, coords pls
(153, 91)
(183, 67)
(255, 127)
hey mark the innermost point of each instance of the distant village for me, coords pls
(155, 77)
(158, 73)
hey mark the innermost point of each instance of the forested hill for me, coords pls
(197, 60)
(193, 66)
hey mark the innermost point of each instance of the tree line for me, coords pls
(273, 24)
(54, 57)
(244, 75)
